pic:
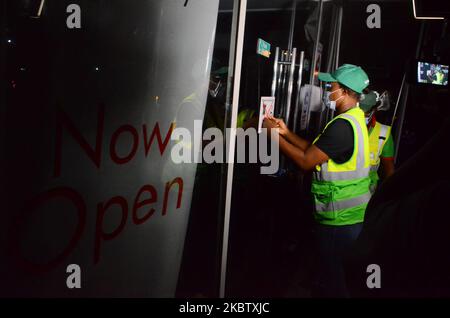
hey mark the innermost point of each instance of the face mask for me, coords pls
(331, 104)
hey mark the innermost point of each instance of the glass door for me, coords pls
(271, 215)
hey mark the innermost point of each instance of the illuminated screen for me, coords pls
(429, 73)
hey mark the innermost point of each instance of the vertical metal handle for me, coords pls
(290, 85)
(316, 43)
(275, 71)
(299, 85)
(282, 91)
(338, 34)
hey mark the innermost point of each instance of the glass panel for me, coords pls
(200, 274)
(96, 94)
(270, 241)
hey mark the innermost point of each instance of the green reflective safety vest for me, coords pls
(341, 191)
(378, 136)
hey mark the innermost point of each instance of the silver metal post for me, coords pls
(330, 114)
(401, 121)
(314, 61)
(275, 71)
(292, 28)
(299, 85)
(282, 94)
(398, 99)
(332, 41)
(290, 85)
(338, 35)
(325, 113)
(239, 15)
(316, 43)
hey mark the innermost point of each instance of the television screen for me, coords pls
(430, 73)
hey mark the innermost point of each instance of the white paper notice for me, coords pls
(266, 108)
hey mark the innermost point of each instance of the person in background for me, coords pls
(381, 142)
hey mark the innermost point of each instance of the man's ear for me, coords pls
(345, 92)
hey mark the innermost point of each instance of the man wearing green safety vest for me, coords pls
(339, 160)
(381, 143)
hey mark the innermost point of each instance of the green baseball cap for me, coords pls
(349, 75)
(368, 101)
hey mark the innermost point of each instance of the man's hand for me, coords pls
(270, 123)
(281, 125)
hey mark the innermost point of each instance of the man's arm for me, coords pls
(297, 141)
(289, 135)
(304, 159)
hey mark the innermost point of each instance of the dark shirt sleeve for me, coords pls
(337, 141)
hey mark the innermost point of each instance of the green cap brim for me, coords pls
(326, 77)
